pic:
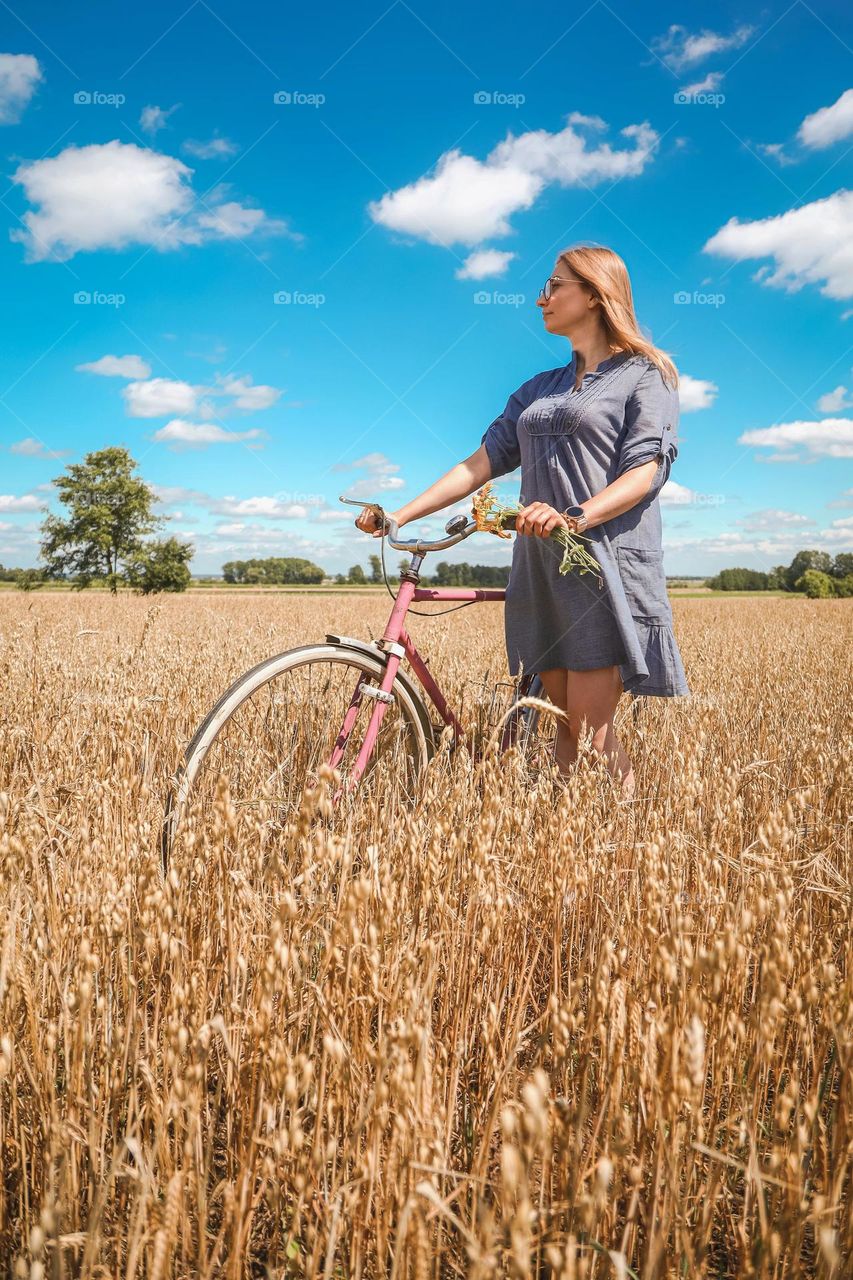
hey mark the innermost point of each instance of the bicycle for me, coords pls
(303, 707)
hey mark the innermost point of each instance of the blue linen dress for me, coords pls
(571, 445)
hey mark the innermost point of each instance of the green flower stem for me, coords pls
(575, 554)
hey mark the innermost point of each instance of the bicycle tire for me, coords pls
(259, 677)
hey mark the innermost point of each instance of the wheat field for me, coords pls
(514, 1031)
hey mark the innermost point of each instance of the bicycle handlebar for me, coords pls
(419, 545)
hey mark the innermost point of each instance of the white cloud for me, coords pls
(483, 263)
(381, 476)
(170, 494)
(19, 543)
(679, 49)
(467, 200)
(32, 448)
(160, 397)
(695, 393)
(232, 221)
(810, 245)
(829, 438)
(835, 400)
(777, 152)
(828, 125)
(27, 502)
(199, 434)
(374, 484)
(710, 84)
(674, 494)
(210, 150)
(270, 508)
(716, 551)
(375, 461)
(115, 194)
(153, 119)
(246, 395)
(20, 75)
(233, 540)
(117, 367)
(774, 518)
(157, 397)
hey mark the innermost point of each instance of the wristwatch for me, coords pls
(578, 517)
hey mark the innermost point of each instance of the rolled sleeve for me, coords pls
(501, 438)
(650, 434)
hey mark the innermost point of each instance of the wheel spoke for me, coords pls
(273, 736)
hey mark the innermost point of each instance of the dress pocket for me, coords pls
(643, 578)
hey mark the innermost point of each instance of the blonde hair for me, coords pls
(605, 273)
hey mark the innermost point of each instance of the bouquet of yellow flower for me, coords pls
(489, 515)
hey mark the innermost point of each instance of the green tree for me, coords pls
(462, 574)
(29, 579)
(356, 575)
(375, 568)
(842, 565)
(844, 586)
(803, 560)
(739, 580)
(274, 570)
(817, 585)
(160, 566)
(109, 515)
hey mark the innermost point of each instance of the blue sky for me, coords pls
(282, 254)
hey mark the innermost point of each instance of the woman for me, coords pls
(595, 440)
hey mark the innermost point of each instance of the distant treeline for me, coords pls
(816, 573)
(468, 575)
(291, 571)
(26, 579)
(274, 571)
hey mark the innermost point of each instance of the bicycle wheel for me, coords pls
(522, 726)
(272, 729)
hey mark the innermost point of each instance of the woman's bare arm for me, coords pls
(455, 484)
(621, 495)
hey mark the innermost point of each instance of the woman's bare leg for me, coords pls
(589, 698)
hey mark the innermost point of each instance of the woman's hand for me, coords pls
(540, 519)
(369, 522)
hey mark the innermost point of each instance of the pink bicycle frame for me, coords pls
(396, 642)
